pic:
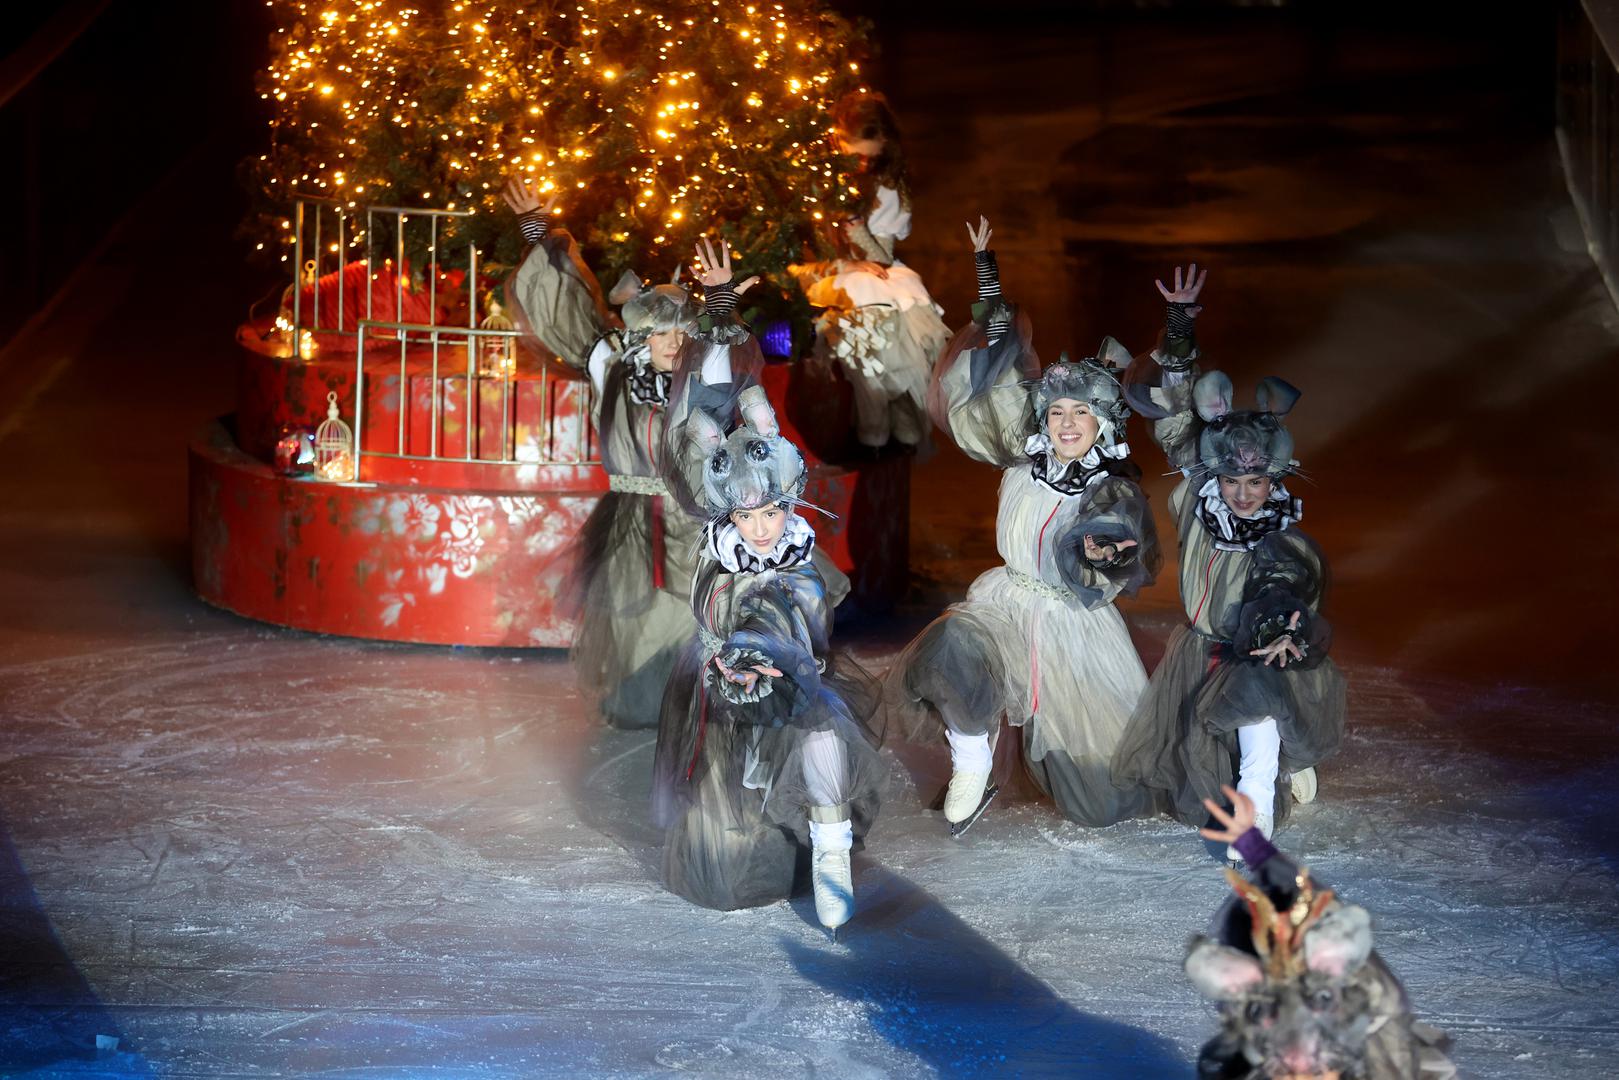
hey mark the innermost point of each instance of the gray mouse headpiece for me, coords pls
(651, 309)
(753, 466)
(1244, 442)
(1093, 381)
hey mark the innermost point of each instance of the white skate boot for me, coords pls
(831, 876)
(966, 791)
(1303, 784)
(971, 759)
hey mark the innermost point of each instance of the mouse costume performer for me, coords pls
(1037, 642)
(764, 745)
(1301, 991)
(1218, 712)
(635, 555)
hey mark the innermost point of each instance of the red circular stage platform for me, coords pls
(470, 489)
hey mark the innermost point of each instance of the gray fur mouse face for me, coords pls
(1308, 1010)
(1314, 1026)
(751, 469)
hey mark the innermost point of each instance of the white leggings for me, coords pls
(970, 753)
(1261, 747)
(826, 778)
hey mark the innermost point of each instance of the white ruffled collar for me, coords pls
(1233, 533)
(724, 544)
(1072, 476)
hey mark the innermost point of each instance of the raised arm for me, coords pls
(523, 195)
(1159, 384)
(978, 395)
(553, 295)
(720, 357)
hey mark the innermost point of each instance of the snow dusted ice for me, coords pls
(415, 862)
(247, 852)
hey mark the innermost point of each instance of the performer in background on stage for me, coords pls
(878, 320)
(630, 596)
(1246, 692)
(1302, 994)
(764, 744)
(1038, 641)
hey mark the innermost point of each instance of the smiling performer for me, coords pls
(1037, 641)
(637, 549)
(1246, 690)
(764, 743)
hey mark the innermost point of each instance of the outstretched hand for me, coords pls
(1105, 552)
(1234, 824)
(745, 677)
(1186, 289)
(980, 236)
(714, 268)
(1283, 648)
(522, 194)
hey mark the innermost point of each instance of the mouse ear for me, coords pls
(757, 411)
(628, 285)
(1276, 396)
(1212, 395)
(1220, 972)
(704, 432)
(1110, 354)
(1339, 943)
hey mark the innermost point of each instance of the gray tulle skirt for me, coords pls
(1182, 739)
(628, 631)
(735, 786)
(1065, 676)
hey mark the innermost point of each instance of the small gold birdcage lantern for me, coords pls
(334, 446)
(498, 354)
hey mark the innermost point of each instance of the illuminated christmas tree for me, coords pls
(657, 120)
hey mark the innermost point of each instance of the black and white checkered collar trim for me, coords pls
(723, 543)
(1233, 533)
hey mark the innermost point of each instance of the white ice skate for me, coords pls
(965, 792)
(1303, 785)
(1265, 823)
(833, 881)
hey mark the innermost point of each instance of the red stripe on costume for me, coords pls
(1034, 629)
(1208, 572)
(702, 721)
(657, 507)
(657, 541)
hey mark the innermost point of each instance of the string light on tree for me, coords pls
(658, 119)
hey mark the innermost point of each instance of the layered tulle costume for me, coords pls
(1037, 642)
(749, 778)
(1214, 713)
(630, 597)
(1300, 988)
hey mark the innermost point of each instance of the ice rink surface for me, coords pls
(241, 851)
(265, 854)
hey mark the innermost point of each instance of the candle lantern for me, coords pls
(334, 446)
